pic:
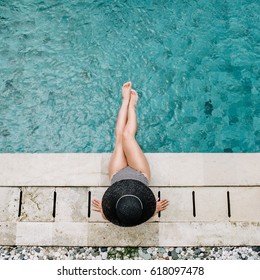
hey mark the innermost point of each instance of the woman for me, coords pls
(128, 201)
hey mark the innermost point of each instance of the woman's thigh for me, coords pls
(118, 159)
(134, 156)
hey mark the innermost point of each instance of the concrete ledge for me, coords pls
(149, 234)
(169, 169)
(214, 201)
(209, 234)
(222, 216)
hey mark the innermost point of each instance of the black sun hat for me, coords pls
(128, 203)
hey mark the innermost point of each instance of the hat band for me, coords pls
(130, 195)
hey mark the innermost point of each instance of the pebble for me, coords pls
(197, 251)
(161, 250)
(38, 250)
(178, 250)
(104, 256)
(256, 248)
(138, 253)
(174, 255)
(150, 250)
(147, 256)
(165, 255)
(57, 254)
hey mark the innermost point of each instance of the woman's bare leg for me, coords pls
(134, 155)
(118, 160)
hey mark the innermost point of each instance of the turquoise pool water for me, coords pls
(195, 64)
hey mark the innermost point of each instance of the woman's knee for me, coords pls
(119, 138)
(128, 135)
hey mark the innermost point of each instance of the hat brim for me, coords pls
(125, 187)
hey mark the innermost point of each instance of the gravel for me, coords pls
(129, 253)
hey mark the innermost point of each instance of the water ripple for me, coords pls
(194, 64)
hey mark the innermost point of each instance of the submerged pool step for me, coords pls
(220, 212)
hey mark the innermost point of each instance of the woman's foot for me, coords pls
(134, 98)
(126, 91)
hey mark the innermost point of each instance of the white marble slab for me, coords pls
(171, 169)
(7, 233)
(180, 204)
(209, 234)
(59, 169)
(71, 204)
(37, 204)
(70, 234)
(168, 169)
(104, 179)
(149, 234)
(175, 227)
(211, 204)
(9, 204)
(107, 234)
(33, 233)
(245, 204)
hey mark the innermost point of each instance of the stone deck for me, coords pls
(214, 201)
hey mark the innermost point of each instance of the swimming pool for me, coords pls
(195, 65)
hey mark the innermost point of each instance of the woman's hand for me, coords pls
(161, 205)
(97, 206)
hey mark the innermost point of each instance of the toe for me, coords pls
(134, 93)
(127, 84)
